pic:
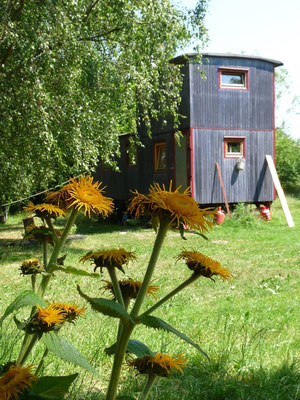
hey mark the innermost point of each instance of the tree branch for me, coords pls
(97, 36)
(17, 11)
(89, 9)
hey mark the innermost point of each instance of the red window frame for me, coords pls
(228, 71)
(234, 139)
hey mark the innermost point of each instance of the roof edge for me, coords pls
(182, 59)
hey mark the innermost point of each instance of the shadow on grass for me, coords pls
(4, 227)
(210, 382)
(214, 382)
(90, 227)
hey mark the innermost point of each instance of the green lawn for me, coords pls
(249, 326)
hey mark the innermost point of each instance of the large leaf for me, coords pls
(157, 323)
(66, 351)
(27, 298)
(135, 347)
(75, 271)
(51, 387)
(106, 307)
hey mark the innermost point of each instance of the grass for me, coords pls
(249, 327)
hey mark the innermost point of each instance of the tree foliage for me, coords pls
(71, 76)
(287, 158)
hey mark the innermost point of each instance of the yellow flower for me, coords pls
(109, 258)
(50, 316)
(16, 381)
(44, 210)
(160, 364)
(60, 197)
(31, 266)
(70, 311)
(86, 195)
(203, 265)
(130, 288)
(178, 207)
(46, 320)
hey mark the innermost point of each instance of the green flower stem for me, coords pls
(118, 360)
(116, 285)
(184, 284)
(163, 228)
(45, 253)
(41, 363)
(33, 281)
(127, 330)
(29, 341)
(126, 302)
(57, 248)
(25, 344)
(50, 225)
(120, 327)
(147, 389)
(26, 350)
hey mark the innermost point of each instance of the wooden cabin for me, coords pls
(229, 120)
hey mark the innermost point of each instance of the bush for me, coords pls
(287, 158)
(244, 215)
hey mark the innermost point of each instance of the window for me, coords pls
(233, 78)
(160, 157)
(234, 147)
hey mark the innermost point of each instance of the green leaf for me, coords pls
(52, 387)
(124, 397)
(138, 348)
(20, 325)
(135, 347)
(201, 234)
(66, 351)
(157, 323)
(27, 298)
(75, 271)
(106, 307)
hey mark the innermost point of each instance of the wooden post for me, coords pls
(280, 192)
(223, 189)
(27, 222)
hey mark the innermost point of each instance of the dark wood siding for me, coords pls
(253, 184)
(212, 107)
(120, 184)
(211, 113)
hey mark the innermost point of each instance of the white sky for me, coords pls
(267, 28)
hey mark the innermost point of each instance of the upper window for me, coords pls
(160, 157)
(233, 79)
(234, 147)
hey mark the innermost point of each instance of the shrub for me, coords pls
(287, 158)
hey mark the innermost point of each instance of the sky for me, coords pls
(266, 28)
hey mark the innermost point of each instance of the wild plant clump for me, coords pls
(46, 322)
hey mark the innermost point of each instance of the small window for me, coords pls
(234, 147)
(233, 79)
(160, 157)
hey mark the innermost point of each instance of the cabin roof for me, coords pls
(181, 59)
